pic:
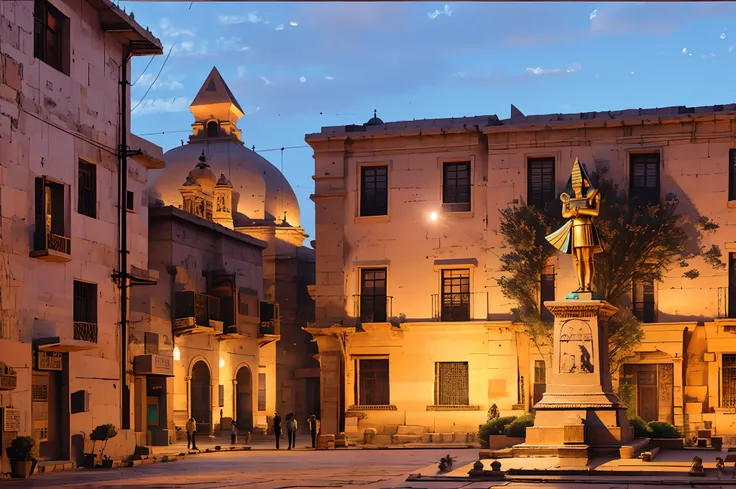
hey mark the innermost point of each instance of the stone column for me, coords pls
(187, 381)
(332, 391)
(235, 400)
(213, 406)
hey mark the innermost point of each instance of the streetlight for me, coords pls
(432, 216)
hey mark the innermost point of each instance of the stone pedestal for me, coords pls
(579, 413)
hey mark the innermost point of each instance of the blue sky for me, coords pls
(295, 67)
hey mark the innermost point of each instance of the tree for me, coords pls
(641, 243)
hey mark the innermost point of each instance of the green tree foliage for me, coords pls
(641, 243)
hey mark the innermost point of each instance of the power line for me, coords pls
(150, 60)
(154, 80)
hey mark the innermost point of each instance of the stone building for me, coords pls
(412, 327)
(63, 214)
(207, 309)
(264, 207)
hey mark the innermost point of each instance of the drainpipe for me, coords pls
(123, 217)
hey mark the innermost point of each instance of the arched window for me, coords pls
(212, 129)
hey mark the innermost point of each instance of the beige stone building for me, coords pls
(62, 346)
(265, 208)
(412, 327)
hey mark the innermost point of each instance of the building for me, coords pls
(264, 207)
(413, 329)
(64, 220)
(205, 323)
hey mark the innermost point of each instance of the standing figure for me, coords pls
(291, 428)
(313, 424)
(192, 434)
(233, 432)
(493, 413)
(720, 466)
(277, 428)
(579, 237)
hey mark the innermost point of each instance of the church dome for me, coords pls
(203, 176)
(261, 193)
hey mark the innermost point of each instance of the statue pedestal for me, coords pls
(579, 414)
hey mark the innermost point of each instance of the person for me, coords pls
(233, 432)
(191, 434)
(277, 428)
(313, 424)
(291, 428)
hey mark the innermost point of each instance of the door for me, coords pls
(46, 413)
(647, 394)
(200, 396)
(244, 401)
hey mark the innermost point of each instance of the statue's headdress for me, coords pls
(578, 177)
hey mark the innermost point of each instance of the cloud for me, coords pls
(160, 105)
(293, 24)
(171, 82)
(265, 80)
(653, 18)
(730, 48)
(446, 11)
(241, 71)
(303, 79)
(251, 17)
(723, 35)
(190, 48)
(329, 78)
(555, 71)
(593, 14)
(168, 30)
(684, 51)
(279, 27)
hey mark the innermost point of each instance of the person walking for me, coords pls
(192, 434)
(277, 428)
(291, 428)
(313, 424)
(233, 433)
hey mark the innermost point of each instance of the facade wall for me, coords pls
(49, 121)
(417, 238)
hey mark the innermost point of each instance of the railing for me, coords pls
(85, 331)
(201, 307)
(726, 302)
(460, 306)
(372, 308)
(269, 328)
(49, 241)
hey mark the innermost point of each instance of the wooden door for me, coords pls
(647, 395)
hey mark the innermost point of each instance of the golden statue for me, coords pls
(579, 237)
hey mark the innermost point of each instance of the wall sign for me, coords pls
(11, 419)
(48, 360)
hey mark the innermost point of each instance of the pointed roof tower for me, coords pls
(216, 110)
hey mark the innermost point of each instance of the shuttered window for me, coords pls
(644, 178)
(540, 182)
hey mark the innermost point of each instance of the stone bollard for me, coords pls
(477, 469)
(696, 469)
(325, 441)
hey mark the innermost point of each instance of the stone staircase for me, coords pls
(407, 434)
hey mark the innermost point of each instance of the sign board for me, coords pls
(48, 360)
(154, 365)
(11, 419)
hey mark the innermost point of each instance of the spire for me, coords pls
(215, 91)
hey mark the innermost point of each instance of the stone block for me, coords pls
(574, 433)
(447, 437)
(402, 439)
(323, 441)
(427, 438)
(13, 73)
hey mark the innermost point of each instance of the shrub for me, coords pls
(517, 429)
(641, 428)
(103, 433)
(20, 449)
(660, 429)
(495, 426)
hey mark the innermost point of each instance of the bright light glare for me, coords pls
(432, 216)
(222, 363)
(177, 353)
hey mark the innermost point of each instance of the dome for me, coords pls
(261, 194)
(374, 121)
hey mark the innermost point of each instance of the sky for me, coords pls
(296, 67)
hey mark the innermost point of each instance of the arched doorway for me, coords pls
(199, 396)
(244, 400)
(212, 129)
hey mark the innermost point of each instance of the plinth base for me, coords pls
(526, 450)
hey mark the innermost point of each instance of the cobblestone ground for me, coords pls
(367, 469)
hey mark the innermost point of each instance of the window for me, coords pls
(456, 186)
(451, 384)
(540, 380)
(373, 298)
(48, 34)
(261, 392)
(644, 178)
(547, 292)
(728, 376)
(540, 180)
(731, 313)
(643, 301)
(455, 295)
(221, 395)
(212, 129)
(732, 174)
(374, 191)
(87, 189)
(85, 311)
(130, 201)
(150, 343)
(51, 229)
(372, 384)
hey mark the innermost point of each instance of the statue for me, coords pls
(493, 413)
(579, 237)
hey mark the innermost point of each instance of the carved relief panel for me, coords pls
(576, 348)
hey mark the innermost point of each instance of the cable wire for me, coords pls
(154, 81)
(150, 60)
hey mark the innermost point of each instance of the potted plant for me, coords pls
(103, 433)
(88, 458)
(22, 463)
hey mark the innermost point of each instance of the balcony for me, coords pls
(373, 308)
(51, 247)
(196, 313)
(269, 327)
(85, 331)
(460, 306)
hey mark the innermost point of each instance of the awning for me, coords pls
(61, 345)
(162, 365)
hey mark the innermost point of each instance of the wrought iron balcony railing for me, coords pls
(373, 308)
(460, 306)
(199, 308)
(85, 331)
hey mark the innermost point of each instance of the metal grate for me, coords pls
(451, 384)
(261, 392)
(728, 380)
(150, 343)
(373, 382)
(39, 393)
